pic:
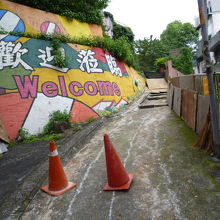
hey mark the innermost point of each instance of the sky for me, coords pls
(150, 17)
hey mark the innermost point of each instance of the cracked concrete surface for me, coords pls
(173, 180)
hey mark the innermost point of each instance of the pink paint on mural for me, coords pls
(13, 111)
(81, 112)
(49, 27)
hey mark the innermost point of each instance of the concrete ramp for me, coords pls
(157, 84)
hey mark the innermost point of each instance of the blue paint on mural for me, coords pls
(16, 24)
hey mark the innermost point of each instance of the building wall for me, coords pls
(215, 5)
(213, 16)
(31, 87)
(213, 8)
(216, 23)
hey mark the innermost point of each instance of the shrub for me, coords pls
(54, 117)
(82, 10)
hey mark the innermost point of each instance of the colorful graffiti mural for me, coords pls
(32, 87)
(15, 17)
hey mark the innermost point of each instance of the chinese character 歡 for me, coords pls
(10, 55)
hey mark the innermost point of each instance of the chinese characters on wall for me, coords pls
(11, 56)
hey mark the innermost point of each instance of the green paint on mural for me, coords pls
(39, 54)
(6, 76)
(34, 56)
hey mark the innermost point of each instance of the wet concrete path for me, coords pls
(172, 180)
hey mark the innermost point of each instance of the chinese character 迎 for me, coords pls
(87, 62)
(47, 57)
(10, 55)
(115, 70)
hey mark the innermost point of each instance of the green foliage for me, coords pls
(148, 50)
(120, 31)
(23, 134)
(54, 117)
(76, 126)
(89, 11)
(134, 97)
(181, 36)
(12, 143)
(52, 137)
(153, 52)
(59, 55)
(105, 113)
(120, 48)
(91, 119)
(25, 137)
(184, 63)
(161, 62)
(178, 35)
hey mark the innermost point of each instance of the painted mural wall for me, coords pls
(31, 87)
(16, 17)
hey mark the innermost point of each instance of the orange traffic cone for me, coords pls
(118, 178)
(58, 183)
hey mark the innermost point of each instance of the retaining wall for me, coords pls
(31, 87)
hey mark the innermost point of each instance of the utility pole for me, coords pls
(209, 72)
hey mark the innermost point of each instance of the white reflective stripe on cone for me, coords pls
(53, 153)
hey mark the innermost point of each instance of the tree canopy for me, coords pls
(177, 36)
(148, 50)
(89, 11)
(120, 30)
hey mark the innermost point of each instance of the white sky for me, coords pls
(150, 17)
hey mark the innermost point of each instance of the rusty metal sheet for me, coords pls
(205, 86)
(202, 111)
(170, 96)
(3, 135)
(177, 100)
(175, 81)
(187, 82)
(188, 108)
